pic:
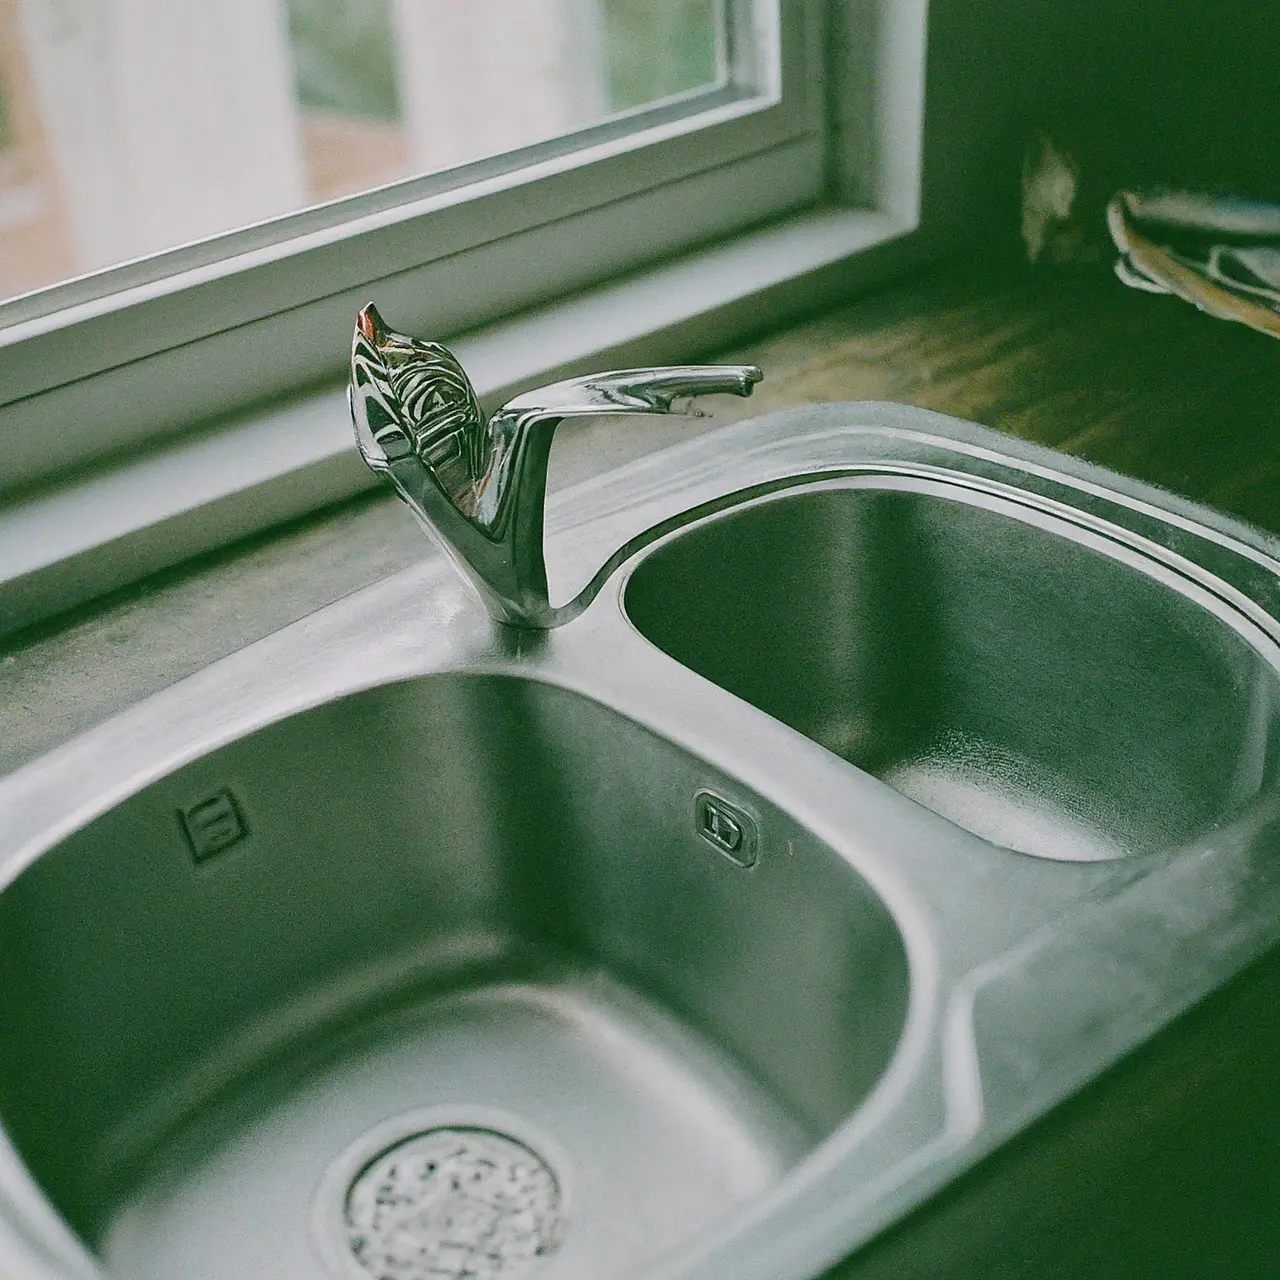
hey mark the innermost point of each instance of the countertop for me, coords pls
(1069, 357)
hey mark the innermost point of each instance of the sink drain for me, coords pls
(445, 1202)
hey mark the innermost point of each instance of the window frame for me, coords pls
(250, 315)
(157, 450)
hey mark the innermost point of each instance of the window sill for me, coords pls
(65, 545)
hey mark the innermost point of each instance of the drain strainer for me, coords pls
(450, 1202)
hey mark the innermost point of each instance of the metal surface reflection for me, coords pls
(479, 487)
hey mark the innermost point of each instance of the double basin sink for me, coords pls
(899, 780)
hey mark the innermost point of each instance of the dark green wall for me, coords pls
(1178, 92)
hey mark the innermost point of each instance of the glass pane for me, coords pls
(132, 126)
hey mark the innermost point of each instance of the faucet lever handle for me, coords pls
(653, 390)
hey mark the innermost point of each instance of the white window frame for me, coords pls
(128, 434)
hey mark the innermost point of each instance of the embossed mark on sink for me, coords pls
(213, 824)
(726, 827)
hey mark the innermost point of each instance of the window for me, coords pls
(270, 106)
(324, 259)
(636, 160)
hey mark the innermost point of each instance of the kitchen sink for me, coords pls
(895, 781)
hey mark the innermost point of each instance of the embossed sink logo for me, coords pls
(213, 824)
(725, 826)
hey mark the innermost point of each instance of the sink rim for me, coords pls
(1232, 606)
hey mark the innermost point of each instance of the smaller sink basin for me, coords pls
(1036, 686)
(462, 927)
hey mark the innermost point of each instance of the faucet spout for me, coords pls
(479, 487)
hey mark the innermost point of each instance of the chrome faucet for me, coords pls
(479, 488)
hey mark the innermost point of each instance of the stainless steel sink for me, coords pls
(695, 938)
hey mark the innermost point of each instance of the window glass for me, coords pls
(132, 126)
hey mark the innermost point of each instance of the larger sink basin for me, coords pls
(470, 907)
(697, 939)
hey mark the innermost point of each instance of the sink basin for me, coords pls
(1041, 689)
(465, 905)
(696, 939)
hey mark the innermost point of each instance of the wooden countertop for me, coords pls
(1070, 358)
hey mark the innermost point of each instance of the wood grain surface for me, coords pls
(1070, 358)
